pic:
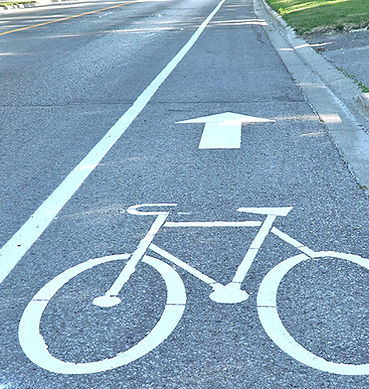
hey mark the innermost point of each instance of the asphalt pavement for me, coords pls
(121, 86)
(348, 50)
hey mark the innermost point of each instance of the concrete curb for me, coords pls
(4, 8)
(332, 96)
(15, 7)
(363, 99)
(343, 86)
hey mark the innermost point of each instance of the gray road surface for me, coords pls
(62, 87)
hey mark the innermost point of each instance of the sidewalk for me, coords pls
(347, 51)
(335, 97)
(347, 54)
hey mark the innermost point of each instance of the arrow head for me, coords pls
(227, 118)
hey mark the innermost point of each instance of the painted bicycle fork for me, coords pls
(230, 293)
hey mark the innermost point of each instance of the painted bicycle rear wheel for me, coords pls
(36, 349)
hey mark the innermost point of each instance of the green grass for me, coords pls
(7, 3)
(323, 15)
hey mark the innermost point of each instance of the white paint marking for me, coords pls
(220, 136)
(106, 301)
(213, 224)
(292, 242)
(279, 211)
(135, 209)
(268, 314)
(223, 131)
(34, 346)
(247, 261)
(31, 230)
(183, 265)
(229, 294)
(129, 269)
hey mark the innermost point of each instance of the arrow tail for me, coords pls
(220, 136)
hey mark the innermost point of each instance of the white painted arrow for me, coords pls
(223, 131)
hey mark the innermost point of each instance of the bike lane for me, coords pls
(286, 162)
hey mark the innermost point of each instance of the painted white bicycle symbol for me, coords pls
(35, 348)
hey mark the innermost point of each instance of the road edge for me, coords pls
(343, 86)
(336, 100)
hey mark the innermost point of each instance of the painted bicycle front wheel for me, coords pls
(269, 317)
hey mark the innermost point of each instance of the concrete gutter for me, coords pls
(363, 99)
(336, 80)
(334, 97)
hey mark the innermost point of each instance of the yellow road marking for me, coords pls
(67, 18)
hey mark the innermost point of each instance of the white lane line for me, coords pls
(31, 230)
